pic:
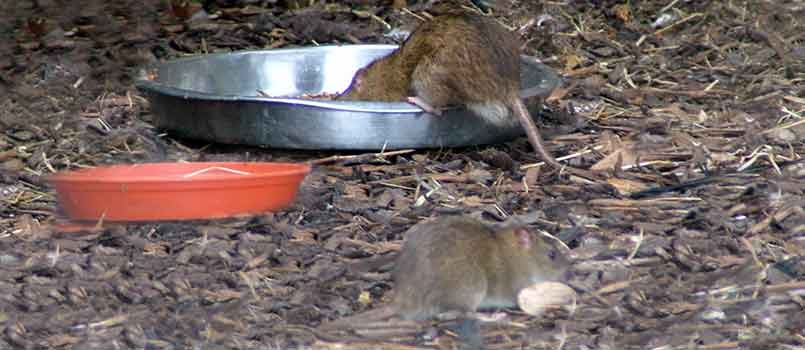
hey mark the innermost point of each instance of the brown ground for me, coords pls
(716, 266)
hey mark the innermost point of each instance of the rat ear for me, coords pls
(523, 237)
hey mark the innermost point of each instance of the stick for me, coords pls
(359, 157)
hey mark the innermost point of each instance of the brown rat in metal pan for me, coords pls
(455, 59)
(461, 264)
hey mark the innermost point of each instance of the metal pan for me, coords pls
(215, 98)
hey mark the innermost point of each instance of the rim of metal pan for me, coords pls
(550, 81)
(217, 97)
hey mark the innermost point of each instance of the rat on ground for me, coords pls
(461, 264)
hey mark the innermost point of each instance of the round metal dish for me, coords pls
(215, 98)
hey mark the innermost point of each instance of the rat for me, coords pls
(460, 264)
(456, 59)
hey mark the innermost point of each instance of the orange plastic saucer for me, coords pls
(177, 191)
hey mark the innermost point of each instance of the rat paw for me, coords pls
(416, 101)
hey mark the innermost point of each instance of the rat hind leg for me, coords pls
(431, 87)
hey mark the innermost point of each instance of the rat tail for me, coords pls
(379, 314)
(535, 139)
(372, 264)
(532, 132)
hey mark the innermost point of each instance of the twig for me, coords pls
(749, 167)
(359, 157)
(595, 265)
(208, 169)
(784, 126)
(712, 93)
(250, 284)
(718, 346)
(681, 21)
(569, 156)
(409, 178)
(784, 287)
(669, 6)
(637, 246)
(406, 10)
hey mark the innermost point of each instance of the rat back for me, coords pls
(439, 270)
(466, 59)
(456, 59)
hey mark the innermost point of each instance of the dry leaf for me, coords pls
(610, 141)
(570, 60)
(12, 165)
(29, 228)
(623, 12)
(304, 236)
(472, 201)
(626, 187)
(222, 295)
(365, 298)
(624, 156)
(155, 249)
(532, 176)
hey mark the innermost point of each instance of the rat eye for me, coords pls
(552, 255)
